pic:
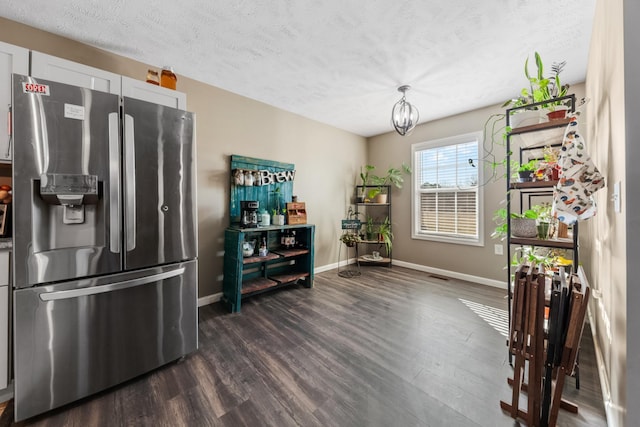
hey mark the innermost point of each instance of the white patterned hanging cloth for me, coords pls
(579, 179)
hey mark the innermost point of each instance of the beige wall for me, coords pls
(604, 250)
(326, 158)
(612, 84)
(632, 207)
(480, 262)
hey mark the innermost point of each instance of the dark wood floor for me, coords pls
(393, 347)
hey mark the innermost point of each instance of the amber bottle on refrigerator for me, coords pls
(168, 78)
(152, 77)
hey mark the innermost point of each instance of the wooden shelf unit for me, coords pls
(257, 284)
(289, 277)
(367, 261)
(538, 136)
(256, 259)
(378, 211)
(540, 126)
(248, 276)
(547, 243)
(532, 185)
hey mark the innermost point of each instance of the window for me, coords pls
(446, 197)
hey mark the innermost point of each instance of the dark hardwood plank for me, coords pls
(390, 347)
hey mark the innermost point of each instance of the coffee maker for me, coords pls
(249, 213)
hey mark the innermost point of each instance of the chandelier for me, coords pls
(404, 116)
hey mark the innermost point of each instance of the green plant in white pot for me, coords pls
(277, 217)
(277, 214)
(394, 176)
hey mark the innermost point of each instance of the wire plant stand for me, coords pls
(348, 271)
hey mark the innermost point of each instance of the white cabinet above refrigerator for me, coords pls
(60, 70)
(144, 91)
(13, 59)
(73, 73)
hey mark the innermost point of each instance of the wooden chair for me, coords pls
(577, 308)
(527, 338)
(526, 342)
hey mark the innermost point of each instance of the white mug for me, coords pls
(375, 254)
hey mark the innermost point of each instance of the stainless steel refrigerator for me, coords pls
(105, 251)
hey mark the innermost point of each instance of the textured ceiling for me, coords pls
(335, 61)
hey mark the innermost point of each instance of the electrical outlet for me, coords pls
(497, 249)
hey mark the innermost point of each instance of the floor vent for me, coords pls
(435, 276)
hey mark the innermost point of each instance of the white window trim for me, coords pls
(415, 205)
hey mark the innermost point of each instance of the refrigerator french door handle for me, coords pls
(130, 182)
(93, 290)
(115, 220)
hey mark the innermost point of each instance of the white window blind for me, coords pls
(446, 196)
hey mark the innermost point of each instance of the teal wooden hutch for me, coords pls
(246, 276)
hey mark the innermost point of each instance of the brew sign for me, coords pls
(35, 88)
(269, 177)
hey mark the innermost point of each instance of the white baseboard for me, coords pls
(427, 269)
(209, 299)
(452, 274)
(333, 266)
(609, 407)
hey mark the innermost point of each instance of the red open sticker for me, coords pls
(35, 88)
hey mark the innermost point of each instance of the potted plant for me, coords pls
(549, 167)
(385, 235)
(369, 229)
(543, 219)
(393, 176)
(522, 224)
(350, 239)
(525, 224)
(539, 256)
(277, 216)
(364, 176)
(277, 213)
(541, 89)
(526, 170)
(364, 173)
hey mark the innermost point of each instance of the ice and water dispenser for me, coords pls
(72, 191)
